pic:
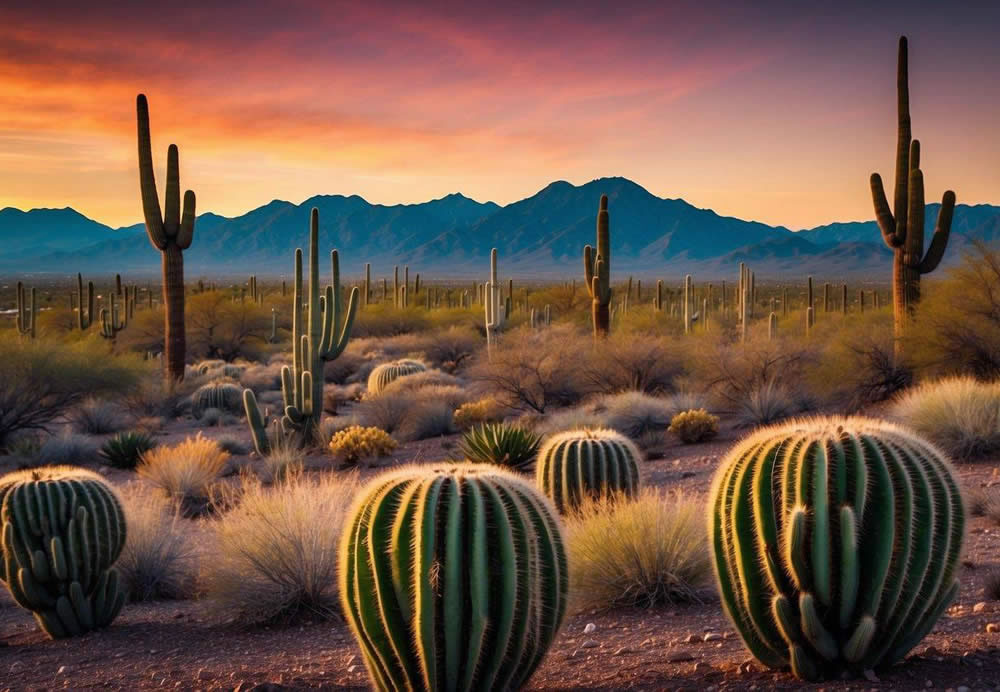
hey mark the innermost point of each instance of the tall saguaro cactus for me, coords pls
(27, 311)
(84, 319)
(597, 272)
(171, 233)
(495, 313)
(903, 226)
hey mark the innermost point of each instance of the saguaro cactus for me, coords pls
(63, 529)
(597, 272)
(171, 233)
(688, 304)
(836, 543)
(453, 578)
(903, 226)
(495, 314)
(323, 338)
(577, 464)
(27, 311)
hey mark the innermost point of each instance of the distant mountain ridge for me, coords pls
(540, 236)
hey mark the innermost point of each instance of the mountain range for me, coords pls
(540, 236)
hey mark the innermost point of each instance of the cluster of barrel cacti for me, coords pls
(63, 530)
(836, 543)
(453, 578)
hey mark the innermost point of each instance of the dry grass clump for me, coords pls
(274, 555)
(767, 403)
(961, 415)
(644, 552)
(416, 414)
(485, 410)
(693, 426)
(97, 417)
(157, 561)
(626, 362)
(635, 414)
(356, 444)
(67, 449)
(186, 471)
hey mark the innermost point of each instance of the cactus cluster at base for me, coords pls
(578, 464)
(836, 543)
(452, 578)
(63, 529)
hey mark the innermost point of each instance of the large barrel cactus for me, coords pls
(578, 464)
(63, 529)
(452, 578)
(383, 375)
(836, 543)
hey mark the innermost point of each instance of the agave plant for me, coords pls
(124, 450)
(513, 446)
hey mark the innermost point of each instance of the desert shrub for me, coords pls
(956, 329)
(634, 414)
(157, 561)
(186, 471)
(340, 369)
(451, 348)
(274, 554)
(855, 366)
(694, 426)
(644, 552)
(428, 418)
(768, 403)
(96, 417)
(577, 418)
(624, 362)
(535, 370)
(485, 410)
(959, 414)
(125, 450)
(420, 380)
(263, 377)
(67, 449)
(382, 320)
(41, 379)
(220, 394)
(233, 445)
(385, 412)
(513, 446)
(334, 424)
(356, 444)
(283, 461)
(219, 329)
(25, 446)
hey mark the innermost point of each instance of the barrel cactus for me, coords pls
(63, 529)
(384, 374)
(452, 578)
(578, 464)
(836, 543)
(221, 394)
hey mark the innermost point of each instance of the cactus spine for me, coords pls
(454, 578)
(63, 529)
(171, 233)
(597, 272)
(27, 311)
(836, 543)
(578, 464)
(903, 226)
(320, 338)
(495, 315)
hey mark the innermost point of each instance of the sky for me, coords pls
(772, 111)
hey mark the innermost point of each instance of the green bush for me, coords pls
(959, 414)
(694, 426)
(125, 450)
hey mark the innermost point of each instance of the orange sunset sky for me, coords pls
(773, 111)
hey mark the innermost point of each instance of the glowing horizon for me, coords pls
(776, 115)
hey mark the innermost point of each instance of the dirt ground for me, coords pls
(689, 647)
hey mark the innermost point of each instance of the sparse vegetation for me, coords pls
(158, 560)
(693, 426)
(512, 446)
(356, 444)
(125, 450)
(961, 415)
(186, 471)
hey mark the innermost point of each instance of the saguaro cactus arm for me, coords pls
(170, 225)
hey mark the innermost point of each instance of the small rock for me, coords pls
(589, 627)
(691, 639)
(679, 657)
(702, 667)
(712, 637)
(979, 607)
(747, 667)
(351, 669)
(64, 670)
(992, 627)
(622, 651)
(590, 644)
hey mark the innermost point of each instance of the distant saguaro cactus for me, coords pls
(171, 233)
(597, 272)
(27, 311)
(903, 226)
(85, 319)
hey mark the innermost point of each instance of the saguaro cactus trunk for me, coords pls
(170, 233)
(597, 272)
(903, 226)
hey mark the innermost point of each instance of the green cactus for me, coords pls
(112, 319)
(63, 529)
(27, 311)
(597, 272)
(836, 543)
(577, 464)
(495, 316)
(903, 226)
(221, 395)
(318, 339)
(688, 307)
(366, 294)
(453, 578)
(384, 374)
(84, 319)
(658, 298)
(171, 233)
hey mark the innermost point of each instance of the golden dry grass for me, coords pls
(186, 471)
